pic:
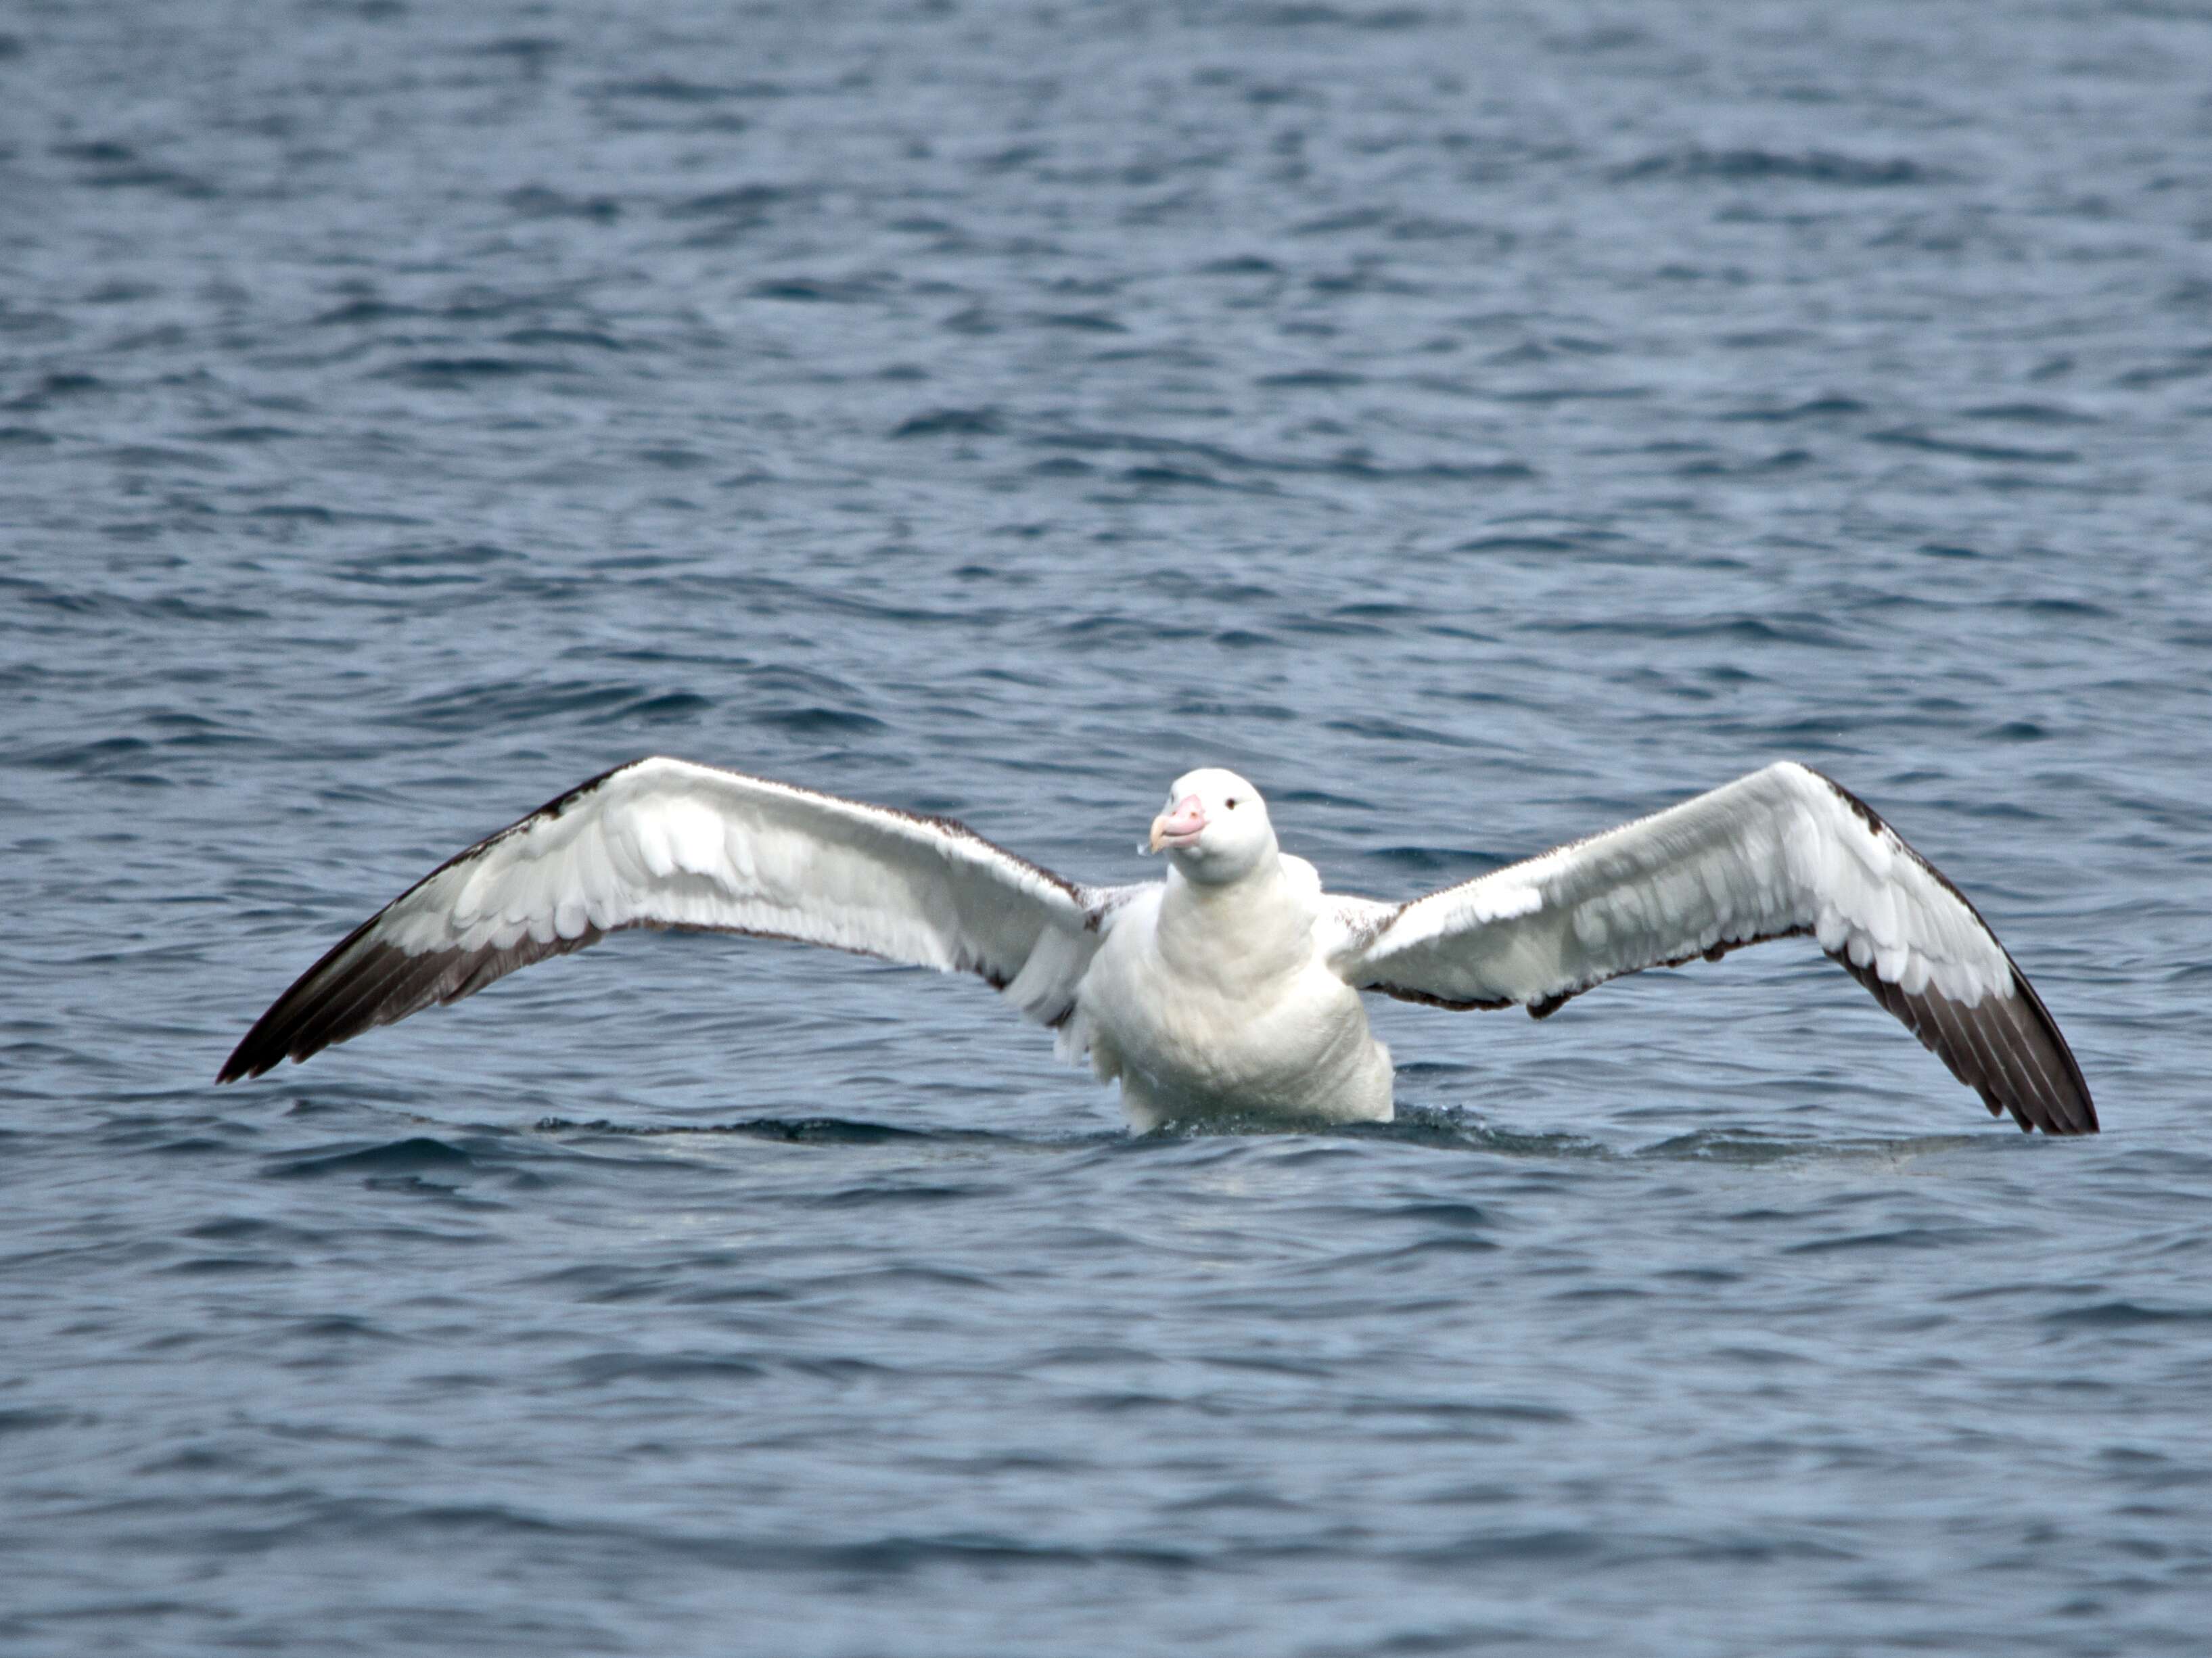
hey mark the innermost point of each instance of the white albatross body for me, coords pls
(1233, 987)
(1207, 1001)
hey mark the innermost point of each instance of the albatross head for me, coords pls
(1215, 827)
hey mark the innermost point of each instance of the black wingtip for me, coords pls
(276, 1033)
(251, 1058)
(2077, 1085)
(246, 1061)
(2007, 1049)
(242, 1062)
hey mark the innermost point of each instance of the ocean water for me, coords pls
(1478, 424)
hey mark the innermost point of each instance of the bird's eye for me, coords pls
(1232, 805)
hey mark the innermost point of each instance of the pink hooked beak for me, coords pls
(1180, 824)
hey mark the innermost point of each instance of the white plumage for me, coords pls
(1783, 850)
(1233, 986)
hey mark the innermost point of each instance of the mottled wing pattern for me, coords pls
(1782, 852)
(664, 843)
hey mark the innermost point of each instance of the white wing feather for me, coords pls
(1783, 851)
(665, 843)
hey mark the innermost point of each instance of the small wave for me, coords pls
(815, 290)
(1241, 264)
(451, 373)
(591, 338)
(1753, 166)
(739, 202)
(1087, 322)
(1913, 438)
(224, 1265)
(2186, 365)
(99, 757)
(533, 49)
(246, 433)
(672, 90)
(901, 1555)
(887, 1194)
(798, 1131)
(1376, 729)
(471, 708)
(951, 423)
(599, 1370)
(1750, 1149)
(1436, 1212)
(1317, 380)
(473, 554)
(1895, 1237)
(1181, 458)
(160, 457)
(2029, 414)
(1812, 408)
(1173, 476)
(817, 722)
(670, 707)
(1518, 543)
(232, 1229)
(340, 1327)
(1450, 1128)
(418, 1154)
(54, 386)
(30, 1420)
(173, 181)
(354, 311)
(1304, 14)
(540, 202)
(2125, 1315)
(1463, 1410)
(2061, 608)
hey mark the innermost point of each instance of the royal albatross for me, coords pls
(1232, 985)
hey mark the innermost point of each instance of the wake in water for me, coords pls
(1435, 1128)
(1443, 1129)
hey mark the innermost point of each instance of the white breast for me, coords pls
(1230, 1013)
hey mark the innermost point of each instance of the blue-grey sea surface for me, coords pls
(1480, 424)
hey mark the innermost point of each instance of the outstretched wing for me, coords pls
(664, 843)
(1782, 852)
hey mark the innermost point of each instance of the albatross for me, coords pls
(1232, 987)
